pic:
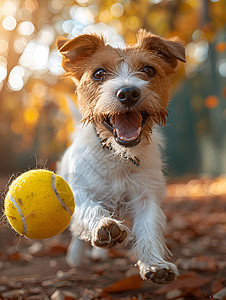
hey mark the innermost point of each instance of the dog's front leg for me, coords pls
(92, 222)
(150, 248)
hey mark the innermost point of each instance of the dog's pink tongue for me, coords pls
(128, 126)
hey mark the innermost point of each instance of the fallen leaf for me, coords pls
(210, 263)
(3, 288)
(117, 253)
(216, 285)
(52, 250)
(105, 296)
(14, 256)
(57, 295)
(2, 255)
(186, 281)
(125, 284)
(220, 295)
(15, 294)
(199, 263)
(35, 248)
(173, 294)
(38, 297)
(70, 295)
(63, 295)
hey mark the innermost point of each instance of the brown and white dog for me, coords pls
(114, 164)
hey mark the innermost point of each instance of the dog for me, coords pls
(114, 164)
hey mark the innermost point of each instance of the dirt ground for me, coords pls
(195, 234)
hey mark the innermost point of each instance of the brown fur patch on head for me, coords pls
(89, 91)
(170, 50)
(76, 51)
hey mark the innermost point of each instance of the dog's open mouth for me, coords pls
(127, 127)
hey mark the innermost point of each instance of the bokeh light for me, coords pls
(222, 68)
(82, 2)
(133, 23)
(84, 16)
(9, 23)
(105, 16)
(56, 5)
(67, 26)
(55, 63)
(17, 126)
(3, 47)
(26, 28)
(46, 35)
(18, 70)
(10, 8)
(196, 52)
(31, 5)
(155, 1)
(16, 82)
(3, 72)
(211, 102)
(117, 10)
(19, 44)
(40, 56)
(221, 47)
(35, 56)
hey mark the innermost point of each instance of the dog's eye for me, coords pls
(99, 74)
(150, 71)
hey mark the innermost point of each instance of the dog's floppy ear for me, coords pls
(61, 41)
(170, 50)
(78, 49)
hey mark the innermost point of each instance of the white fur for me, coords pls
(123, 77)
(107, 187)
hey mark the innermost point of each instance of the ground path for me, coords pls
(196, 235)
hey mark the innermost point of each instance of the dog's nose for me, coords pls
(128, 95)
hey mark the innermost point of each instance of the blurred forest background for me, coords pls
(35, 123)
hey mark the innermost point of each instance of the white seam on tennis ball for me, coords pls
(21, 214)
(53, 178)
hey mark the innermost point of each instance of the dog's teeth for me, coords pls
(139, 131)
(111, 120)
(117, 131)
(123, 138)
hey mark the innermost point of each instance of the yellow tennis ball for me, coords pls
(39, 204)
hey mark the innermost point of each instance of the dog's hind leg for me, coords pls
(99, 254)
(76, 252)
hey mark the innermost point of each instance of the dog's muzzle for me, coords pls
(127, 127)
(128, 95)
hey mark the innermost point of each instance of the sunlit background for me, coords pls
(35, 123)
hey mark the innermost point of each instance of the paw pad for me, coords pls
(109, 233)
(160, 273)
(161, 276)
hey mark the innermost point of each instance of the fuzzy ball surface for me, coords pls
(39, 204)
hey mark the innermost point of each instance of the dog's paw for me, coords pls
(160, 273)
(108, 233)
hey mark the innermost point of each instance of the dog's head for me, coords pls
(122, 91)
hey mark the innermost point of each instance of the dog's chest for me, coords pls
(115, 175)
(111, 181)
(115, 188)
